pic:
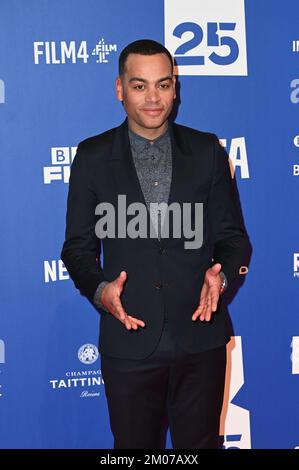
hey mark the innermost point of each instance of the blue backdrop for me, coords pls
(58, 63)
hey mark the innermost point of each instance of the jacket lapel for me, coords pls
(182, 167)
(126, 178)
(123, 167)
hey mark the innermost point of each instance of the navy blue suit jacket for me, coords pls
(163, 276)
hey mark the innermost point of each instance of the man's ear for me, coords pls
(119, 89)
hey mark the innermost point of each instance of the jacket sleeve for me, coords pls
(230, 240)
(81, 249)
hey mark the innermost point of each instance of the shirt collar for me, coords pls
(140, 143)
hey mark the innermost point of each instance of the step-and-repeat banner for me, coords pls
(238, 68)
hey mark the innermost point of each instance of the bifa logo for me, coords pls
(237, 156)
(235, 420)
(2, 92)
(206, 37)
(295, 355)
(61, 159)
(62, 52)
(2, 352)
(55, 270)
(296, 264)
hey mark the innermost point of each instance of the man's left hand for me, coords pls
(209, 295)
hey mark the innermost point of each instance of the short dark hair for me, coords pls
(143, 47)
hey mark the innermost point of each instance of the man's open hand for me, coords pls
(111, 300)
(209, 294)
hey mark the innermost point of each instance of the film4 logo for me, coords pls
(62, 52)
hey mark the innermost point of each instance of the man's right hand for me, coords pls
(110, 298)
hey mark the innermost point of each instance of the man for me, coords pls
(163, 326)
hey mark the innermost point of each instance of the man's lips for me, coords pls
(152, 111)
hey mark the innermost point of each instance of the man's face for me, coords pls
(147, 90)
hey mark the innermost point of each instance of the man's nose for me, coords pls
(152, 95)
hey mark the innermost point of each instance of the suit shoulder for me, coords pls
(195, 134)
(97, 143)
(195, 142)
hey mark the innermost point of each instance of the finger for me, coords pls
(211, 303)
(204, 291)
(119, 310)
(121, 315)
(127, 323)
(197, 312)
(132, 323)
(216, 268)
(127, 320)
(202, 303)
(120, 280)
(204, 294)
(215, 298)
(137, 321)
(200, 309)
(208, 314)
(205, 313)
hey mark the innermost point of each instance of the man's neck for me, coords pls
(150, 134)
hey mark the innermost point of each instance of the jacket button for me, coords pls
(158, 285)
(161, 251)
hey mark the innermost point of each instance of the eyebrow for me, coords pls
(143, 80)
